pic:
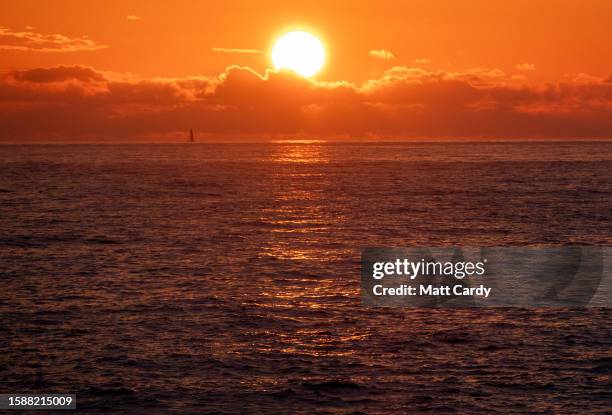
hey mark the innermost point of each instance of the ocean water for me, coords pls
(225, 278)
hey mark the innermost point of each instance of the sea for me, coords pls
(225, 278)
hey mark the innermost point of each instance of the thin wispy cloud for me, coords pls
(525, 66)
(133, 17)
(28, 40)
(421, 61)
(236, 50)
(381, 54)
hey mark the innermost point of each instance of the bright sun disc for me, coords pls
(301, 52)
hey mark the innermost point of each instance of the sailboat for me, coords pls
(191, 139)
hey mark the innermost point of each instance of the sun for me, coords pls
(299, 51)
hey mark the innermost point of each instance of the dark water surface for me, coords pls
(225, 278)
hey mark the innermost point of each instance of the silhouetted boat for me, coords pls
(191, 139)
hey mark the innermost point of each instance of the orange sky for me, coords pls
(507, 52)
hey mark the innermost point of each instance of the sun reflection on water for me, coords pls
(312, 152)
(298, 218)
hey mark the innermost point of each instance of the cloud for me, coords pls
(421, 61)
(236, 50)
(133, 17)
(58, 74)
(381, 54)
(37, 42)
(525, 66)
(67, 103)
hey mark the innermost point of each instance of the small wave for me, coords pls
(284, 394)
(452, 337)
(116, 391)
(103, 241)
(331, 385)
